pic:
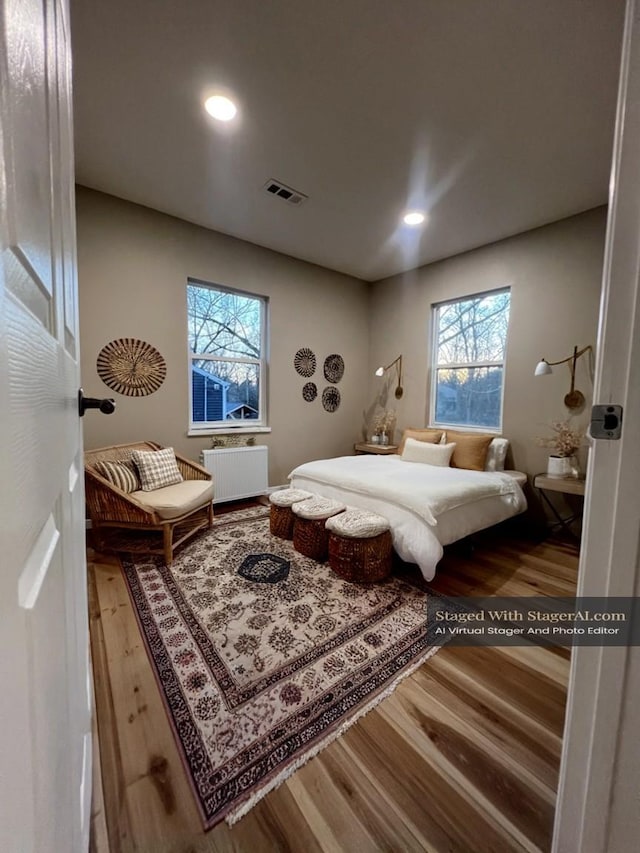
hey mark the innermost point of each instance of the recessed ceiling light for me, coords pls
(220, 108)
(413, 218)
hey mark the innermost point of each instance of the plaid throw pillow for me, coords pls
(157, 468)
(122, 474)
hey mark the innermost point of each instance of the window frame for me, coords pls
(435, 365)
(260, 424)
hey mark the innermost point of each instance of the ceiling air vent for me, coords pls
(284, 192)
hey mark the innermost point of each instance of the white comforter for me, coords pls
(428, 506)
(426, 490)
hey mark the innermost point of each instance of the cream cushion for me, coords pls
(357, 524)
(429, 454)
(317, 508)
(287, 497)
(174, 501)
(496, 454)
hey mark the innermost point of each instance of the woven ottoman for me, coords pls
(360, 547)
(310, 537)
(281, 517)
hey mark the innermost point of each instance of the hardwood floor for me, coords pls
(463, 757)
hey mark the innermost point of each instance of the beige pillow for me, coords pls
(157, 468)
(432, 436)
(471, 449)
(122, 474)
(427, 452)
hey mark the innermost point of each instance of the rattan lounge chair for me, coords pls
(174, 513)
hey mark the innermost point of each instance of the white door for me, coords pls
(45, 706)
(598, 806)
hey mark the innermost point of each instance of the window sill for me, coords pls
(469, 429)
(192, 433)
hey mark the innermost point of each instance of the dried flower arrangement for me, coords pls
(227, 441)
(384, 422)
(566, 439)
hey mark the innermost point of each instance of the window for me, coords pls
(227, 357)
(469, 344)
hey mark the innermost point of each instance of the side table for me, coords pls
(379, 449)
(566, 486)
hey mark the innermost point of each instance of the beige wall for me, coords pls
(554, 274)
(133, 265)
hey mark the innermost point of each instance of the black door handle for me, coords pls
(106, 406)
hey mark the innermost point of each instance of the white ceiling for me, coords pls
(496, 116)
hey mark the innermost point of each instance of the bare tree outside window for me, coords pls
(470, 338)
(226, 333)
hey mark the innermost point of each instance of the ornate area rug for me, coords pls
(264, 656)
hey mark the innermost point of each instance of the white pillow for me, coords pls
(496, 454)
(430, 454)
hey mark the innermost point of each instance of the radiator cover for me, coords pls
(238, 472)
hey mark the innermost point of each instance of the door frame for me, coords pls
(600, 690)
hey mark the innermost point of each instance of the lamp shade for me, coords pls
(380, 371)
(543, 368)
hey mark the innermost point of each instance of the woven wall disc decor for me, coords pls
(304, 362)
(131, 367)
(309, 392)
(333, 368)
(330, 399)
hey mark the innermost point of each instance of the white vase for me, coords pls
(560, 466)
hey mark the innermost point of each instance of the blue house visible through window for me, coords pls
(210, 399)
(208, 395)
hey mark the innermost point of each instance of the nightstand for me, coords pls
(566, 486)
(379, 449)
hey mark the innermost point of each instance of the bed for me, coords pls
(428, 506)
